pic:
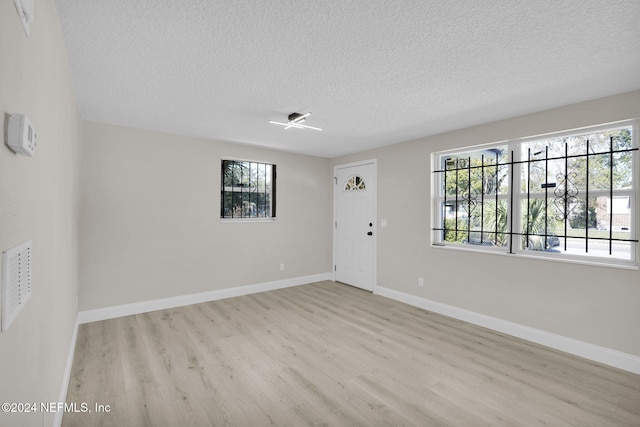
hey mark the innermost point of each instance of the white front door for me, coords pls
(355, 224)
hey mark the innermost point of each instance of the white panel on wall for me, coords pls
(16, 282)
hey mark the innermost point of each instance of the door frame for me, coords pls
(374, 266)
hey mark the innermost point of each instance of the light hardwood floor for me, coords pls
(329, 354)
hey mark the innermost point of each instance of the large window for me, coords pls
(248, 190)
(570, 195)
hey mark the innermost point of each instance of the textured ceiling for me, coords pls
(372, 73)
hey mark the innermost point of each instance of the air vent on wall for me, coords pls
(16, 282)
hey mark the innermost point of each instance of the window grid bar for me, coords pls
(572, 156)
(497, 191)
(444, 204)
(253, 198)
(274, 176)
(611, 196)
(546, 193)
(222, 198)
(566, 192)
(586, 204)
(456, 200)
(264, 180)
(481, 201)
(549, 235)
(511, 193)
(528, 195)
(241, 189)
(469, 200)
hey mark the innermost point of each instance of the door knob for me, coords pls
(370, 233)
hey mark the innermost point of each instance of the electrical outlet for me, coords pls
(421, 281)
(281, 267)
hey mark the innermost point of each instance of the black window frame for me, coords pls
(247, 190)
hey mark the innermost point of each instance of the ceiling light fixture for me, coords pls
(295, 121)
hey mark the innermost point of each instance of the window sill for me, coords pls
(596, 262)
(245, 220)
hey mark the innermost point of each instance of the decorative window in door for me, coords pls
(354, 183)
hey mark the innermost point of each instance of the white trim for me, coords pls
(607, 356)
(112, 312)
(57, 419)
(374, 162)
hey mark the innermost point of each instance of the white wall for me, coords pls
(38, 202)
(592, 304)
(150, 218)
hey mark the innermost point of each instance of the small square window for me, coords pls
(248, 190)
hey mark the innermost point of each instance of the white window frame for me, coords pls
(515, 198)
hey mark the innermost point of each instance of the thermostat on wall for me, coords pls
(21, 137)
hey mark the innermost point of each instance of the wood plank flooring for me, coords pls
(328, 354)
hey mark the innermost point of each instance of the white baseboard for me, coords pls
(607, 356)
(57, 420)
(182, 300)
